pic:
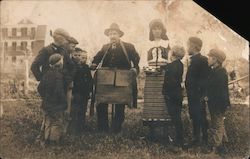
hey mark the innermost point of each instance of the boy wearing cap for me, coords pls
(53, 92)
(82, 86)
(172, 90)
(217, 96)
(196, 79)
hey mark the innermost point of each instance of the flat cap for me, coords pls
(61, 32)
(53, 59)
(72, 40)
(218, 54)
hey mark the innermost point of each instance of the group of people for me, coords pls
(66, 84)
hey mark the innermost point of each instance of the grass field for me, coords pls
(21, 122)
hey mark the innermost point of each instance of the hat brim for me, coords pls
(106, 32)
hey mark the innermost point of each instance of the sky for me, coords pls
(87, 20)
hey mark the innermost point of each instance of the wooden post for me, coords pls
(26, 80)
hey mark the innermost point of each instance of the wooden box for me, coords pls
(114, 86)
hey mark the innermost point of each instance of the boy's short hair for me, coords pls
(53, 59)
(218, 54)
(196, 41)
(178, 51)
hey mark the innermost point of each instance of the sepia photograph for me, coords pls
(121, 79)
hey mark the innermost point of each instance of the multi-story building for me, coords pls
(20, 42)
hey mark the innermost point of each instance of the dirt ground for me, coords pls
(21, 121)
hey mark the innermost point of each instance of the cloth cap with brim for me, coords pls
(61, 32)
(53, 59)
(115, 27)
(72, 40)
(218, 54)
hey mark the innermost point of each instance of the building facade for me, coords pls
(19, 44)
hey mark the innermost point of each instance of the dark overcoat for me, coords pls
(172, 80)
(41, 63)
(217, 90)
(196, 77)
(82, 82)
(53, 91)
(116, 58)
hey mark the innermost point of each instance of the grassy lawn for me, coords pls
(21, 121)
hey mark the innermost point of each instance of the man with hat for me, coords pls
(217, 97)
(116, 54)
(195, 83)
(41, 63)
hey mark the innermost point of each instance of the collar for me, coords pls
(196, 55)
(216, 68)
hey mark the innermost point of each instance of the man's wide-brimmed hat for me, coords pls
(115, 27)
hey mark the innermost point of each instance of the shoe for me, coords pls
(220, 150)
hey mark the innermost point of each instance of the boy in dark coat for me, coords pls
(172, 90)
(217, 96)
(82, 86)
(195, 83)
(52, 89)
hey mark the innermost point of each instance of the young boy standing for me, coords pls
(217, 96)
(82, 86)
(172, 90)
(196, 79)
(52, 89)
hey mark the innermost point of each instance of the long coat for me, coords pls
(82, 80)
(41, 63)
(53, 91)
(172, 80)
(217, 90)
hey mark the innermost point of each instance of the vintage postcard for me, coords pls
(121, 79)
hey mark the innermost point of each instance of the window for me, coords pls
(32, 45)
(4, 32)
(5, 46)
(33, 32)
(14, 32)
(13, 59)
(24, 31)
(14, 46)
(24, 45)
